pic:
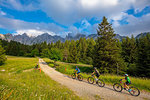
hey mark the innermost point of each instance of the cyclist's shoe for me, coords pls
(124, 88)
(96, 79)
(129, 90)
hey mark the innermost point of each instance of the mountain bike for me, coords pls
(79, 76)
(119, 87)
(99, 82)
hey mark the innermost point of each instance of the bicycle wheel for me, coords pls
(73, 75)
(100, 83)
(91, 80)
(117, 87)
(80, 77)
(134, 91)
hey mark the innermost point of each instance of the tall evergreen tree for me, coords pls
(66, 44)
(2, 55)
(107, 55)
(143, 56)
(129, 51)
(73, 54)
(82, 48)
(65, 54)
(58, 44)
(90, 48)
(44, 45)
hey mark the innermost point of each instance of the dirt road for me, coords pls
(89, 91)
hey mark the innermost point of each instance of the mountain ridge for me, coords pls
(25, 39)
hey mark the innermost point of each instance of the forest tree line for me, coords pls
(108, 54)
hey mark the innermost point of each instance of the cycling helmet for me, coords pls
(125, 74)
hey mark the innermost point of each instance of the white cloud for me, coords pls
(73, 29)
(69, 11)
(117, 18)
(140, 4)
(33, 32)
(28, 27)
(2, 12)
(85, 25)
(62, 11)
(98, 3)
(135, 26)
(17, 5)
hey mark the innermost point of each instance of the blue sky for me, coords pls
(60, 17)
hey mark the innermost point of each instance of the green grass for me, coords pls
(142, 84)
(15, 84)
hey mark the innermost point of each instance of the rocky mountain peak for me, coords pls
(25, 39)
(2, 36)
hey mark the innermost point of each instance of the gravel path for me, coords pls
(89, 91)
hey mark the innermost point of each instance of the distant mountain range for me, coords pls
(25, 39)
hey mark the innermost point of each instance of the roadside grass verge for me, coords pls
(66, 68)
(32, 85)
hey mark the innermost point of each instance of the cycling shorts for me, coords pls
(128, 83)
(78, 72)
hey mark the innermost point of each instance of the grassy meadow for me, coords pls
(86, 70)
(19, 81)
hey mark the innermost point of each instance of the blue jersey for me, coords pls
(78, 69)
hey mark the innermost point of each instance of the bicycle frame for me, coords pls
(122, 84)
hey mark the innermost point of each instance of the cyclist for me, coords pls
(77, 71)
(37, 66)
(96, 74)
(128, 82)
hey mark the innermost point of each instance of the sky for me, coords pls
(60, 17)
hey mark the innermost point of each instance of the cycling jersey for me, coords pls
(97, 73)
(77, 69)
(127, 79)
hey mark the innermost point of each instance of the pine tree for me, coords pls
(65, 54)
(73, 55)
(66, 44)
(58, 44)
(90, 48)
(44, 45)
(107, 54)
(129, 51)
(2, 55)
(82, 47)
(143, 56)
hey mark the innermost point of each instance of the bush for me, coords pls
(55, 54)
(35, 52)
